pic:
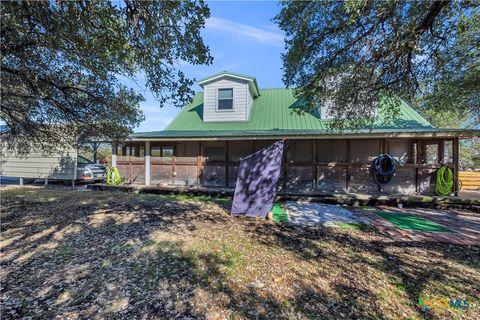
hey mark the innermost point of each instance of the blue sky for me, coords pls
(242, 38)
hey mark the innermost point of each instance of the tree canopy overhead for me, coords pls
(60, 62)
(358, 51)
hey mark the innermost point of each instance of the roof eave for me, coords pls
(267, 135)
(251, 80)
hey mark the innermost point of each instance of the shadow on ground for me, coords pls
(96, 255)
(411, 267)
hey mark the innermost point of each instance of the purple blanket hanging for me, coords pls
(257, 179)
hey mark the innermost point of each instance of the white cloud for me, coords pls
(231, 66)
(151, 108)
(244, 30)
(154, 123)
(183, 63)
(160, 120)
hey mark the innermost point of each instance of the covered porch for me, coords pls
(311, 165)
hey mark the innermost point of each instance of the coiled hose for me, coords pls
(383, 169)
(445, 181)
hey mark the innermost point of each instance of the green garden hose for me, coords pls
(445, 181)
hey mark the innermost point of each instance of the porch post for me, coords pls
(226, 164)
(416, 160)
(147, 163)
(114, 155)
(347, 168)
(200, 164)
(315, 168)
(456, 160)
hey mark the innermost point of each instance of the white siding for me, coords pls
(241, 104)
(324, 109)
(60, 163)
(329, 104)
(249, 104)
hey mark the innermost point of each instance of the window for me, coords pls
(83, 160)
(167, 151)
(215, 153)
(155, 152)
(448, 151)
(225, 99)
(300, 151)
(431, 153)
(332, 151)
(240, 150)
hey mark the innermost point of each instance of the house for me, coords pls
(233, 118)
(28, 162)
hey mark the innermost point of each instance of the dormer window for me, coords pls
(225, 99)
(228, 96)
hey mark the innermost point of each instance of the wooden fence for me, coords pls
(470, 180)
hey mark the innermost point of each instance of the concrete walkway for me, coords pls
(316, 214)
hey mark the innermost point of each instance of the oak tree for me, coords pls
(61, 62)
(357, 52)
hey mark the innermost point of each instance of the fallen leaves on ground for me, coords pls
(74, 255)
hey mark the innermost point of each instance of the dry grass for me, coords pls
(94, 255)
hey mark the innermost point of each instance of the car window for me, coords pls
(83, 160)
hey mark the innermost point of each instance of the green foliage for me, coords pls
(446, 118)
(455, 87)
(351, 53)
(455, 118)
(104, 153)
(61, 61)
(113, 176)
(470, 154)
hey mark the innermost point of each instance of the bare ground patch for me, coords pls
(72, 254)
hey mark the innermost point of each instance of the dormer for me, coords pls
(228, 96)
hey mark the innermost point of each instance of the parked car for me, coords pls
(89, 171)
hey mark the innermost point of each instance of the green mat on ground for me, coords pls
(411, 222)
(279, 213)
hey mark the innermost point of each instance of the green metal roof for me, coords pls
(274, 110)
(273, 113)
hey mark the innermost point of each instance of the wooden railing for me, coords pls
(295, 177)
(163, 170)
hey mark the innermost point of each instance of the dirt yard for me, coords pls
(72, 254)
